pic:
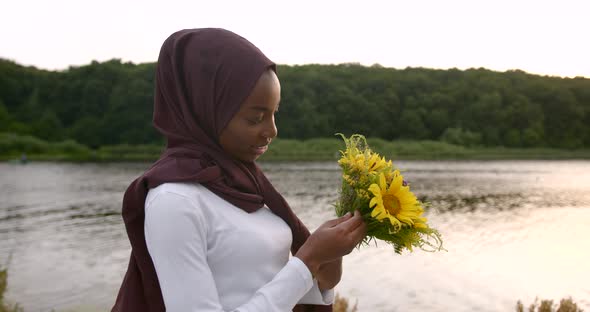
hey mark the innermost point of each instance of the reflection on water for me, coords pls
(513, 230)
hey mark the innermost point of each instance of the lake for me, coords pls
(513, 230)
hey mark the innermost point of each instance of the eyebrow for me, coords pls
(261, 108)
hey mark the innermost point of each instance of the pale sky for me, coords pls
(537, 36)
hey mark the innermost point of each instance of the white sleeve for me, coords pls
(317, 296)
(176, 238)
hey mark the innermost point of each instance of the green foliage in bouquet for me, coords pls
(372, 185)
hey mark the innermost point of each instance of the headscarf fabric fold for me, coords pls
(202, 78)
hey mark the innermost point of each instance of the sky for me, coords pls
(537, 36)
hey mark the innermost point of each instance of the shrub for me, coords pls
(4, 307)
(341, 305)
(565, 305)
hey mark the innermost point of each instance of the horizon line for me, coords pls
(352, 63)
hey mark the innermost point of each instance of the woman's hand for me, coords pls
(329, 274)
(332, 240)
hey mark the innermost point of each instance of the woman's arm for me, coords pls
(332, 240)
(323, 251)
(176, 237)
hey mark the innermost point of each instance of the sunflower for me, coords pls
(396, 203)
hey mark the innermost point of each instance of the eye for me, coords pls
(256, 120)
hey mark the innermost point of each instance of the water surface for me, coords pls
(513, 230)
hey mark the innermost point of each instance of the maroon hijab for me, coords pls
(202, 78)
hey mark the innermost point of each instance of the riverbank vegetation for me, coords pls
(4, 305)
(546, 305)
(24, 148)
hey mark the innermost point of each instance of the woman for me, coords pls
(208, 230)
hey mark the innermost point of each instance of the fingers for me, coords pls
(355, 228)
(335, 222)
(359, 233)
(352, 223)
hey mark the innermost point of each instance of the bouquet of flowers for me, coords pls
(376, 188)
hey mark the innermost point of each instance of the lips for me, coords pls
(259, 150)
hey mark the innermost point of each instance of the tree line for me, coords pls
(111, 103)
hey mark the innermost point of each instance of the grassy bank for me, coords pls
(12, 147)
(4, 306)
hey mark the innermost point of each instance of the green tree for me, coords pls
(88, 131)
(564, 123)
(48, 127)
(32, 108)
(459, 136)
(5, 118)
(512, 138)
(111, 102)
(532, 136)
(412, 126)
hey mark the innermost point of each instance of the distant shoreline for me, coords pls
(320, 149)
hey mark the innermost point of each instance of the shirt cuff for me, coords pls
(314, 295)
(303, 271)
(317, 296)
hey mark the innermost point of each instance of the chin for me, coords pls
(255, 158)
(248, 159)
(245, 156)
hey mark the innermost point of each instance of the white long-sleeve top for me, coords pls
(210, 255)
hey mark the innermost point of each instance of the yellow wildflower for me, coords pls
(366, 162)
(363, 193)
(376, 163)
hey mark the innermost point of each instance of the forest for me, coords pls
(110, 103)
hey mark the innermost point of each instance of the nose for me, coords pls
(270, 130)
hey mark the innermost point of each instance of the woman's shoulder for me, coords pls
(178, 200)
(186, 198)
(187, 190)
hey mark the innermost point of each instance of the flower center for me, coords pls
(392, 204)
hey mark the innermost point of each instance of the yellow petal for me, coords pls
(374, 188)
(374, 201)
(395, 222)
(379, 212)
(396, 183)
(420, 225)
(382, 182)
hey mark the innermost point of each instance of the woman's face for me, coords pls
(249, 132)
